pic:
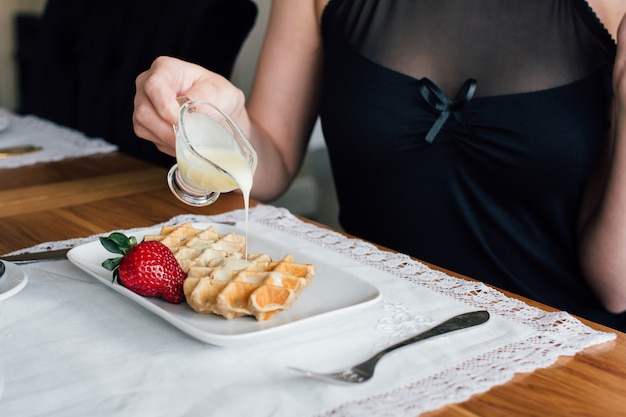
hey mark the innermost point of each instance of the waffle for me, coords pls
(220, 281)
(261, 288)
(191, 245)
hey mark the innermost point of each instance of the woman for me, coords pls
(480, 135)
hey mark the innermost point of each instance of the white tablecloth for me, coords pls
(70, 346)
(57, 142)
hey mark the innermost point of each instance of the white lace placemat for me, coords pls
(528, 338)
(57, 142)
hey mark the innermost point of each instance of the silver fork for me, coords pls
(365, 370)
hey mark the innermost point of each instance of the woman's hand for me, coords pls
(282, 107)
(156, 107)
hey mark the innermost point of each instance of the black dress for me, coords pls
(463, 132)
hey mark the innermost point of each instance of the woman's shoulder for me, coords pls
(610, 13)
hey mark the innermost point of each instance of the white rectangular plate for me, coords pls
(332, 293)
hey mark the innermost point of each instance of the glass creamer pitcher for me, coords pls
(213, 155)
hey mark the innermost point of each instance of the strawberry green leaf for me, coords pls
(111, 264)
(110, 245)
(122, 241)
(118, 243)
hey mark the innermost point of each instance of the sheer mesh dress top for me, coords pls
(462, 132)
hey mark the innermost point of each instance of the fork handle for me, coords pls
(462, 321)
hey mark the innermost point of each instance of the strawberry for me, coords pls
(147, 268)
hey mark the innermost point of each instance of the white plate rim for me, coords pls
(83, 257)
(13, 281)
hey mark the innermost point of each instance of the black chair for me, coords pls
(80, 72)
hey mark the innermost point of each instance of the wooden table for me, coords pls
(81, 197)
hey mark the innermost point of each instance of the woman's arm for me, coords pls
(603, 218)
(283, 102)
